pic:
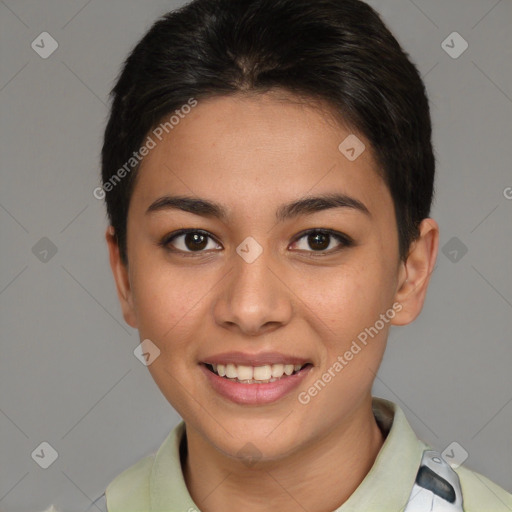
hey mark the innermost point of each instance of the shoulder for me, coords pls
(137, 487)
(131, 487)
(479, 493)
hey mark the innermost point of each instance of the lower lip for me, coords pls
(255, 394)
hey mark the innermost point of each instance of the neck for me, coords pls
(317, 478)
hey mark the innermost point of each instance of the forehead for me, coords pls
(251, 150)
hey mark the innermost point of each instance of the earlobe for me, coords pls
(415, 272)
(121, 277)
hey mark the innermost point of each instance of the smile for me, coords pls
(254, 385)
(255, 374)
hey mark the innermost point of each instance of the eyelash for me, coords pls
(343, 239)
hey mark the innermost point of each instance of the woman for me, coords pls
(268, 173)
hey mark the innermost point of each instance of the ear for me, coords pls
(414, 275)
(121, 277)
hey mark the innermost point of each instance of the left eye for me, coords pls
(321, 240)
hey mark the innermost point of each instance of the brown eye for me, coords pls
(195, 241)
(188, 241)
(319, 240)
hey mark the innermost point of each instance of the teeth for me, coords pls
(265, 373)
(245, 372)
(277, 370)
(231, 372)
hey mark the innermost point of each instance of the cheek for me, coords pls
(168, 308)
(349, 297)
(166, 302)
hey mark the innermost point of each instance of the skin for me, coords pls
(253, 153)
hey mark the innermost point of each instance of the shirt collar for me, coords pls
(387, 486)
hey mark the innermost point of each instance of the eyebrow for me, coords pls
(304, 206)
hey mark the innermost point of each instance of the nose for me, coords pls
(253, 299)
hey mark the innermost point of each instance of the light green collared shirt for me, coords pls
(156, 482)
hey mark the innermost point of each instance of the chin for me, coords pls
(254, 444)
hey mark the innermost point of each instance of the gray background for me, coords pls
(68, 375)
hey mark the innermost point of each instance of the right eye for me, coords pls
(188, 241)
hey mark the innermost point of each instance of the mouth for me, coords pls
(264, 374)
(255, 379)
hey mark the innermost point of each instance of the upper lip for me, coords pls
(262, 359)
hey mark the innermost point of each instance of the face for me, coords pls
(254, 286)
